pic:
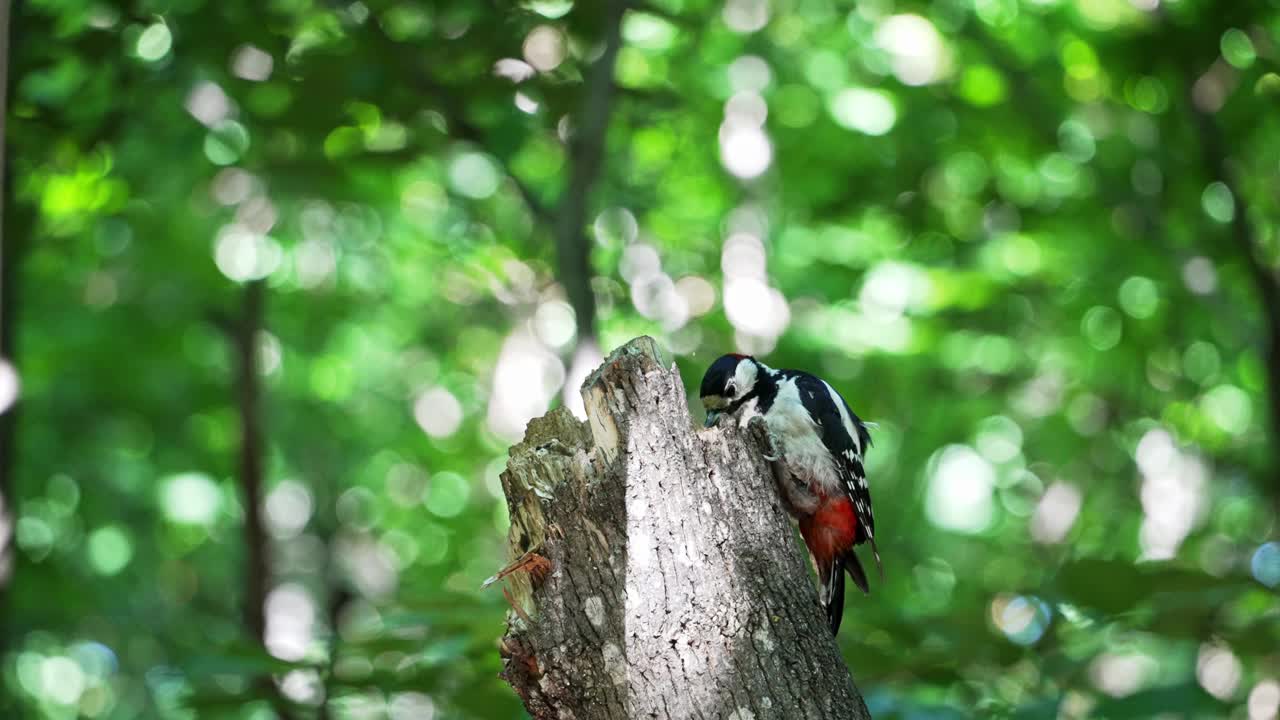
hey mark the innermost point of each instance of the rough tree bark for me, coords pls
(654, 570)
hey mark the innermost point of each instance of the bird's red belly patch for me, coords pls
(831, 530)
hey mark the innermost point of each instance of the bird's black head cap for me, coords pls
(717, 377)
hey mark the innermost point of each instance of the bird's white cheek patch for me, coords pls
(744, 377)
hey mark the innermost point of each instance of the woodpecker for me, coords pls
(819, 444)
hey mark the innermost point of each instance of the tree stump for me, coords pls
(655, 573)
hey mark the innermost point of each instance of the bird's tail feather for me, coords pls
(876, 551)
(833, 593)
(832, 579)
(853, 566)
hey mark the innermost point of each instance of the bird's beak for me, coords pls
(712, 417)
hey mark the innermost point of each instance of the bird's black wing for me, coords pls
(847, 438)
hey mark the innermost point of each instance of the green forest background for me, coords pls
(284, 279)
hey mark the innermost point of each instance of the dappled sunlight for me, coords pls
(154, 43)
(370, 565)
(1218, 671)
(288, 507)
(745, 149)
(1173, 486)
(585, 359)
(527, 377)
(1200, 275)
(1264, 700)
(1023, 619)
(10, 385)
(653, 293)
(291, 616)
(191, 498)
(1121, 674)
(893, 288)
(746, 16)
(555, 324)
(1056, 513)
(750, 74)
(473, 175)
(302, 686)
(208, 104)
(544, 48)
(867, 111)
(758, 312)
(1265, 564)
(917, 51)
(282, 285)
(960, 490)
(243, 255)
(252, 63)
(438, 412)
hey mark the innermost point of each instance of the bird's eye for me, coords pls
(729, 391)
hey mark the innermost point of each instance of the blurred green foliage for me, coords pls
(1001, 227)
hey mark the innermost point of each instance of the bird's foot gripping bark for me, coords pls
(769, 445)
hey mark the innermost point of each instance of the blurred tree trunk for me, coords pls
(586, 156)
(1216, 157)
(8, 314)
(1217, 161)
(655, 572)
(6, 269)
(243, 332)
(257, 570)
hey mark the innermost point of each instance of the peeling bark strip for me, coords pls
(674, 589)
